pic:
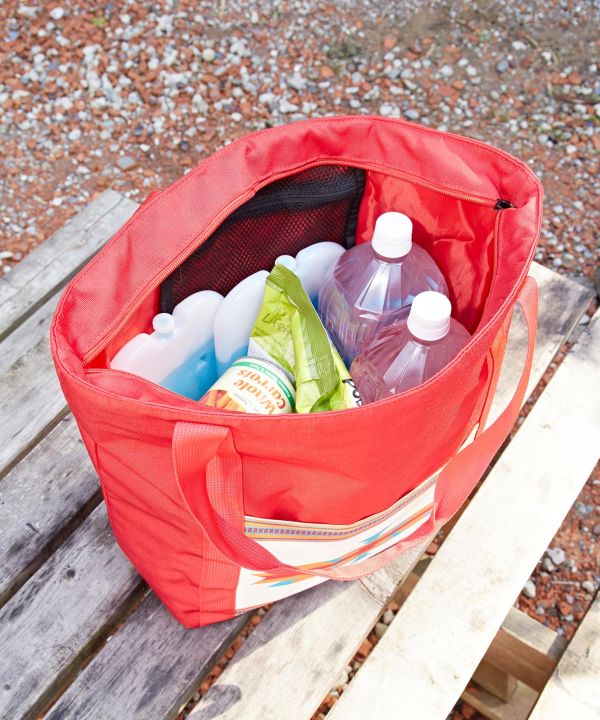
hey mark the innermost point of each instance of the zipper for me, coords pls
(96, 371)
(238, 202)
(503, 205)
(477, 199)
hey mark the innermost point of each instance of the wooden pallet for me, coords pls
(83, 638)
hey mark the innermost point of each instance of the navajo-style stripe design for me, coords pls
(367, 548)
(260, 529)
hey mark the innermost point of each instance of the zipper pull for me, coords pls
(503, 205)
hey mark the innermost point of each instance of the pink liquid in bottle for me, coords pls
(408, 352)
(373, 282)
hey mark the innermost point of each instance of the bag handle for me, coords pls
(206, 462)
(495, 360)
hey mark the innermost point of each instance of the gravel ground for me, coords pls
(130, 95)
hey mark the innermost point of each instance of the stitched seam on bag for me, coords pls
(104, 487)
(496, 260)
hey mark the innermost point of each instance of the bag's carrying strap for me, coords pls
(204, 456)
(495, 360)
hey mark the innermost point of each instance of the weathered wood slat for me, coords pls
(495, 682)
(31, 400)
(47, 268)
(517, 707)
(293, 657)
(41, 500)
(442, 631)
(27, 335)
(60, 615)
(30, 394)
(169, 664)
(526, 649)
(522, 648)
(321, 628)
(573, 691)
(107, 681)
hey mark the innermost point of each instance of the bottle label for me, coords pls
(254, 386)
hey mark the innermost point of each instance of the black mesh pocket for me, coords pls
(320, 203)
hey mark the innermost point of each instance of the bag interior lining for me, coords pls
(341, 204)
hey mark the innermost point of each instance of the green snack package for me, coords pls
(289, 333)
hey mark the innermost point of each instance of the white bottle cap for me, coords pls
(392, 237)
(164, 325)
(429, 316)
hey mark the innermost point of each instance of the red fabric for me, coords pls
(330, 467)
(458, 233)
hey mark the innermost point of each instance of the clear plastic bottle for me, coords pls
(235, 319)
(373, 282)
(412, 350)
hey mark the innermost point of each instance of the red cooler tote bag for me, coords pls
(222, 511)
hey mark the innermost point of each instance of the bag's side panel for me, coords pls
(351, 465)
(330, 467)
(151, 521)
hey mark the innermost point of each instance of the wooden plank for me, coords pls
(27, 335)
(60, 615)
(425, 659)
(31, 397)
(41, 501)
(526, 649)
(47, 268)
(522, 648)
(573, 691)
(169, 664)
(494, 681)
(291, 660)
(517, 707)
(30, 394)
(107, 688)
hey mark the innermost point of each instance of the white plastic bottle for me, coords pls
(314, 264)
(236, 316)
(410, 351)
(373, 282)
(179, 354)
(235, 319)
